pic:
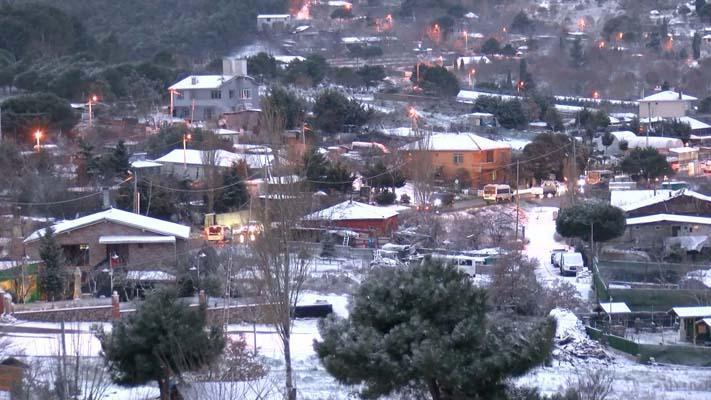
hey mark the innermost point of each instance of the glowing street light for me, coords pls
(38, 136)
(93, 99)
(414, 116)
(471, 73)
(596, 94)
(519, 86)
(186, 137)
(582, 24)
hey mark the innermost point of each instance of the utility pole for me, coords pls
(574, 167)
(1, 123)
(649, 122)
(518, 198)
(136, 195)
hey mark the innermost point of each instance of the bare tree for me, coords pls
(282, 266)
(422, 172)
(592, 384)
(210, 164)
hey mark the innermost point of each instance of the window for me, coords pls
(207, 114)
(215, 94)
(76, 254)
(489, 156)
(636, 228)
(458, 158)
(232, 94)
(656, 228)
(245, 94)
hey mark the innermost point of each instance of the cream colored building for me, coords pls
(666, 104)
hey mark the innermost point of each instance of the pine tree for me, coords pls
(163, 339)
(53, 277)
(394, 340)
(89, 164)
(235, 193)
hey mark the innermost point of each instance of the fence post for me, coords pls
(115, 306)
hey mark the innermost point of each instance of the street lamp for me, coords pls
(466, 42)
(201, 255)
(472, 72)
(186, 137)
(38, 136)
(413, 115)
(519, 86)
(93, 99)
(110, 270)
(172, 92)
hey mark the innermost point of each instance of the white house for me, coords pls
(666, 104)
(191, 163)
(273, 22)
(662, 144)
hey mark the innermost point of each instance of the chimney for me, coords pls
(105, 199)
(193, 80)
(234, 66)
(679, 94)
(115, 307)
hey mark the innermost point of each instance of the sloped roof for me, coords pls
(120, 217)
(668, 95)
(623, 135)
(351, 210)
(684, 219)
(458, 142)
(689, 312)
(613, 308)
(223, 158)
(201, 82)
(662, 197)
(694, 123)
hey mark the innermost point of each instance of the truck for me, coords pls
(570, 263)
(497, 193)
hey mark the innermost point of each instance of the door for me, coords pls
(675, 231)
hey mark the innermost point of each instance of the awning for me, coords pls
(123, 239)
(613, 308)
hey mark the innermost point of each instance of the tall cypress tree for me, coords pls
(53, 277)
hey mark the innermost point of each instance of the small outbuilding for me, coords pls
(356, 216)
(689, 318)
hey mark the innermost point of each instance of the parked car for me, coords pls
(571, 263)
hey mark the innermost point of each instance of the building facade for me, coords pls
(115, 238)
(461, 156)
(666, 104)
(206, 97)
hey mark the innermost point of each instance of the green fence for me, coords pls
(15, 272)
(649, 272)
(643, 299)
(683, 355)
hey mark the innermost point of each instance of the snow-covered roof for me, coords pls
(692, 312)
(223, 158)
(150, 276)
(288, 59)
(623, 135)
(120, 217)
(656, 142)
(339, 3)
(614, 308)
(227, 132)
(470, 96)
(273, 16)
(662, 196)
(656, 218)
(624, 198)
(127, 239)
(694, 123)
(351, 210)
(201, 82)
(473, 60)
(458, 142)
(683, 150)
(145, 164)
(668, 95)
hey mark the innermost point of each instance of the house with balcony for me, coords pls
(206, 97)
(115, 239)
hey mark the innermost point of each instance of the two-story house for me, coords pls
(205, 97)
(453, 154)
(666, 104)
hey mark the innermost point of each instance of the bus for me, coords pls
(497, 193)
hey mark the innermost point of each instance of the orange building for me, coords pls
(484, 160)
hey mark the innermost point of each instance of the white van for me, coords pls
(497, 193)
(466, 264)
(571, 263)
